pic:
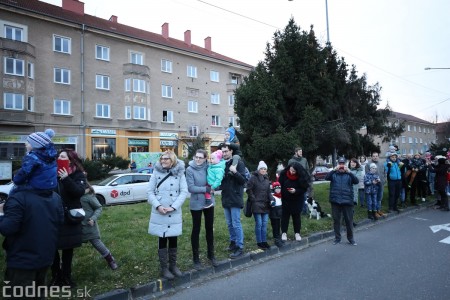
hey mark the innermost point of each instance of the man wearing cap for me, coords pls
(341, 199)
(394, 178)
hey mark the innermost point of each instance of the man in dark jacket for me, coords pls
(30, 220)
(341, 199)
(233, 199)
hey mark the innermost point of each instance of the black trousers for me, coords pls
(394, 188)
(209, 228)
(64, 265)
(163, 241)
(296, 220)
(276, 227)
(25, 278)
(337, 211)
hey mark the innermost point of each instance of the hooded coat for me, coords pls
(259, 193)
(171, 193)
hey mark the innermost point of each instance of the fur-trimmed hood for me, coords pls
(177, 170)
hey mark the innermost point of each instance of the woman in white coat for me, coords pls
(167, 193)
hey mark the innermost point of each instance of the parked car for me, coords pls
(320, 172)
(122, 188)
(4, 190)
(146, 170)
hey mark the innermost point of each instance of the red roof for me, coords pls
(120, 29)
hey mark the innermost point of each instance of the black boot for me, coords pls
(111, 262)
(374, 213)
(163, 258)
(56, 278)
(370, 214)
(173, 262)
(196, 259)
(232, 246)
(211, 256)
(279, 243)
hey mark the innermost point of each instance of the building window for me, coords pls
(127, 84)
(30, 70)
(166, 66)
(139, 85)
(231, 121)
(136, 58)
(420, 129)
(234, 79)
(410, 140)
(139, 112)
(102, 52)
(102, 82)
(14, 66)
(61, 76)
(215, 120)
(166, 91)
(168, 116)
(415, 140)
(127, 112)
(13, 101)
(192, 71)
(231, 100)
(14, 33)
(103, 148)
(420, 140)
(61, 44)
(403, 139)
(214, 76)
(193, 130)
(414, 128)
(215, 98)
(30, 103)
(192, 106)
(409, 127)
(61, 107)
(102, 110)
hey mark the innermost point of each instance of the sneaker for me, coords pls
(352, 242)
(237, 253)
(336, 241)
(380, 213)
(298, 238)
(284, 236)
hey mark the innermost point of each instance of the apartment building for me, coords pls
(108, 88)
(417, 137)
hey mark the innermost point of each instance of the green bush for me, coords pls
(110, 163)
(94, 169)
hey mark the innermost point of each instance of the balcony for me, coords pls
(136, 70)
(135, 125)
(20, 117)
(17, 47)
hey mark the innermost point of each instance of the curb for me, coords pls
(161, 287)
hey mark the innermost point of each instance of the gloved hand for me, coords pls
(208, 189)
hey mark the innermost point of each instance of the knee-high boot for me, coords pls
(211, 256)
(196, 259)
(173, 262)
(162, 254)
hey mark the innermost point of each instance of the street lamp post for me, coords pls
(428, 68)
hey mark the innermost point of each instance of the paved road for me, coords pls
(397, 259)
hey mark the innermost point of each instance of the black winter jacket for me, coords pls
(30, 226)
(341, 187)
(233, 186)
(258, 190)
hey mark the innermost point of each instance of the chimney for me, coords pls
(208, 43)
(73, 6)
(187, 37)
(113, 19)
(165, 30)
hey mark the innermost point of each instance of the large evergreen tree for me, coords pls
(303, 94)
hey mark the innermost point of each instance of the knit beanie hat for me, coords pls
(392, 149)
(262, 165)
(373, 166)
(276, 185)
(216, 156)
(40, 140)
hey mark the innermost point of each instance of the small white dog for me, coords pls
(315, 210)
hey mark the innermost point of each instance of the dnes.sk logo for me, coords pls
(34, 291)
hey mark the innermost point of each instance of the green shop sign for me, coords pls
(137, 142)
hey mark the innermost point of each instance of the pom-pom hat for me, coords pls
(40, 140)
(262, 165)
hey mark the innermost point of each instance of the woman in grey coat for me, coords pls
(166, 193)
(197, 185)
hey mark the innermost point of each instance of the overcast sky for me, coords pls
(392, 41)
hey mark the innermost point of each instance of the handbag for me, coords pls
(248, 208)
(75, 215)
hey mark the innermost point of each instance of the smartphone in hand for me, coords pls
(62, 163)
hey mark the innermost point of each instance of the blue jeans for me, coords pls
(261, 227)
(233, 219)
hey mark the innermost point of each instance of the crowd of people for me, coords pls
(55, 184)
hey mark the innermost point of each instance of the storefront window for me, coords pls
(103, 148)
(137, 146)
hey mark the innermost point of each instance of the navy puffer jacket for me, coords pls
(341, 187)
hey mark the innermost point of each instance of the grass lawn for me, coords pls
(124, 231)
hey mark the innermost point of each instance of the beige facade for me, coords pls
(105, 87)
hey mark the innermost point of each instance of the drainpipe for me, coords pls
(82, 122)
